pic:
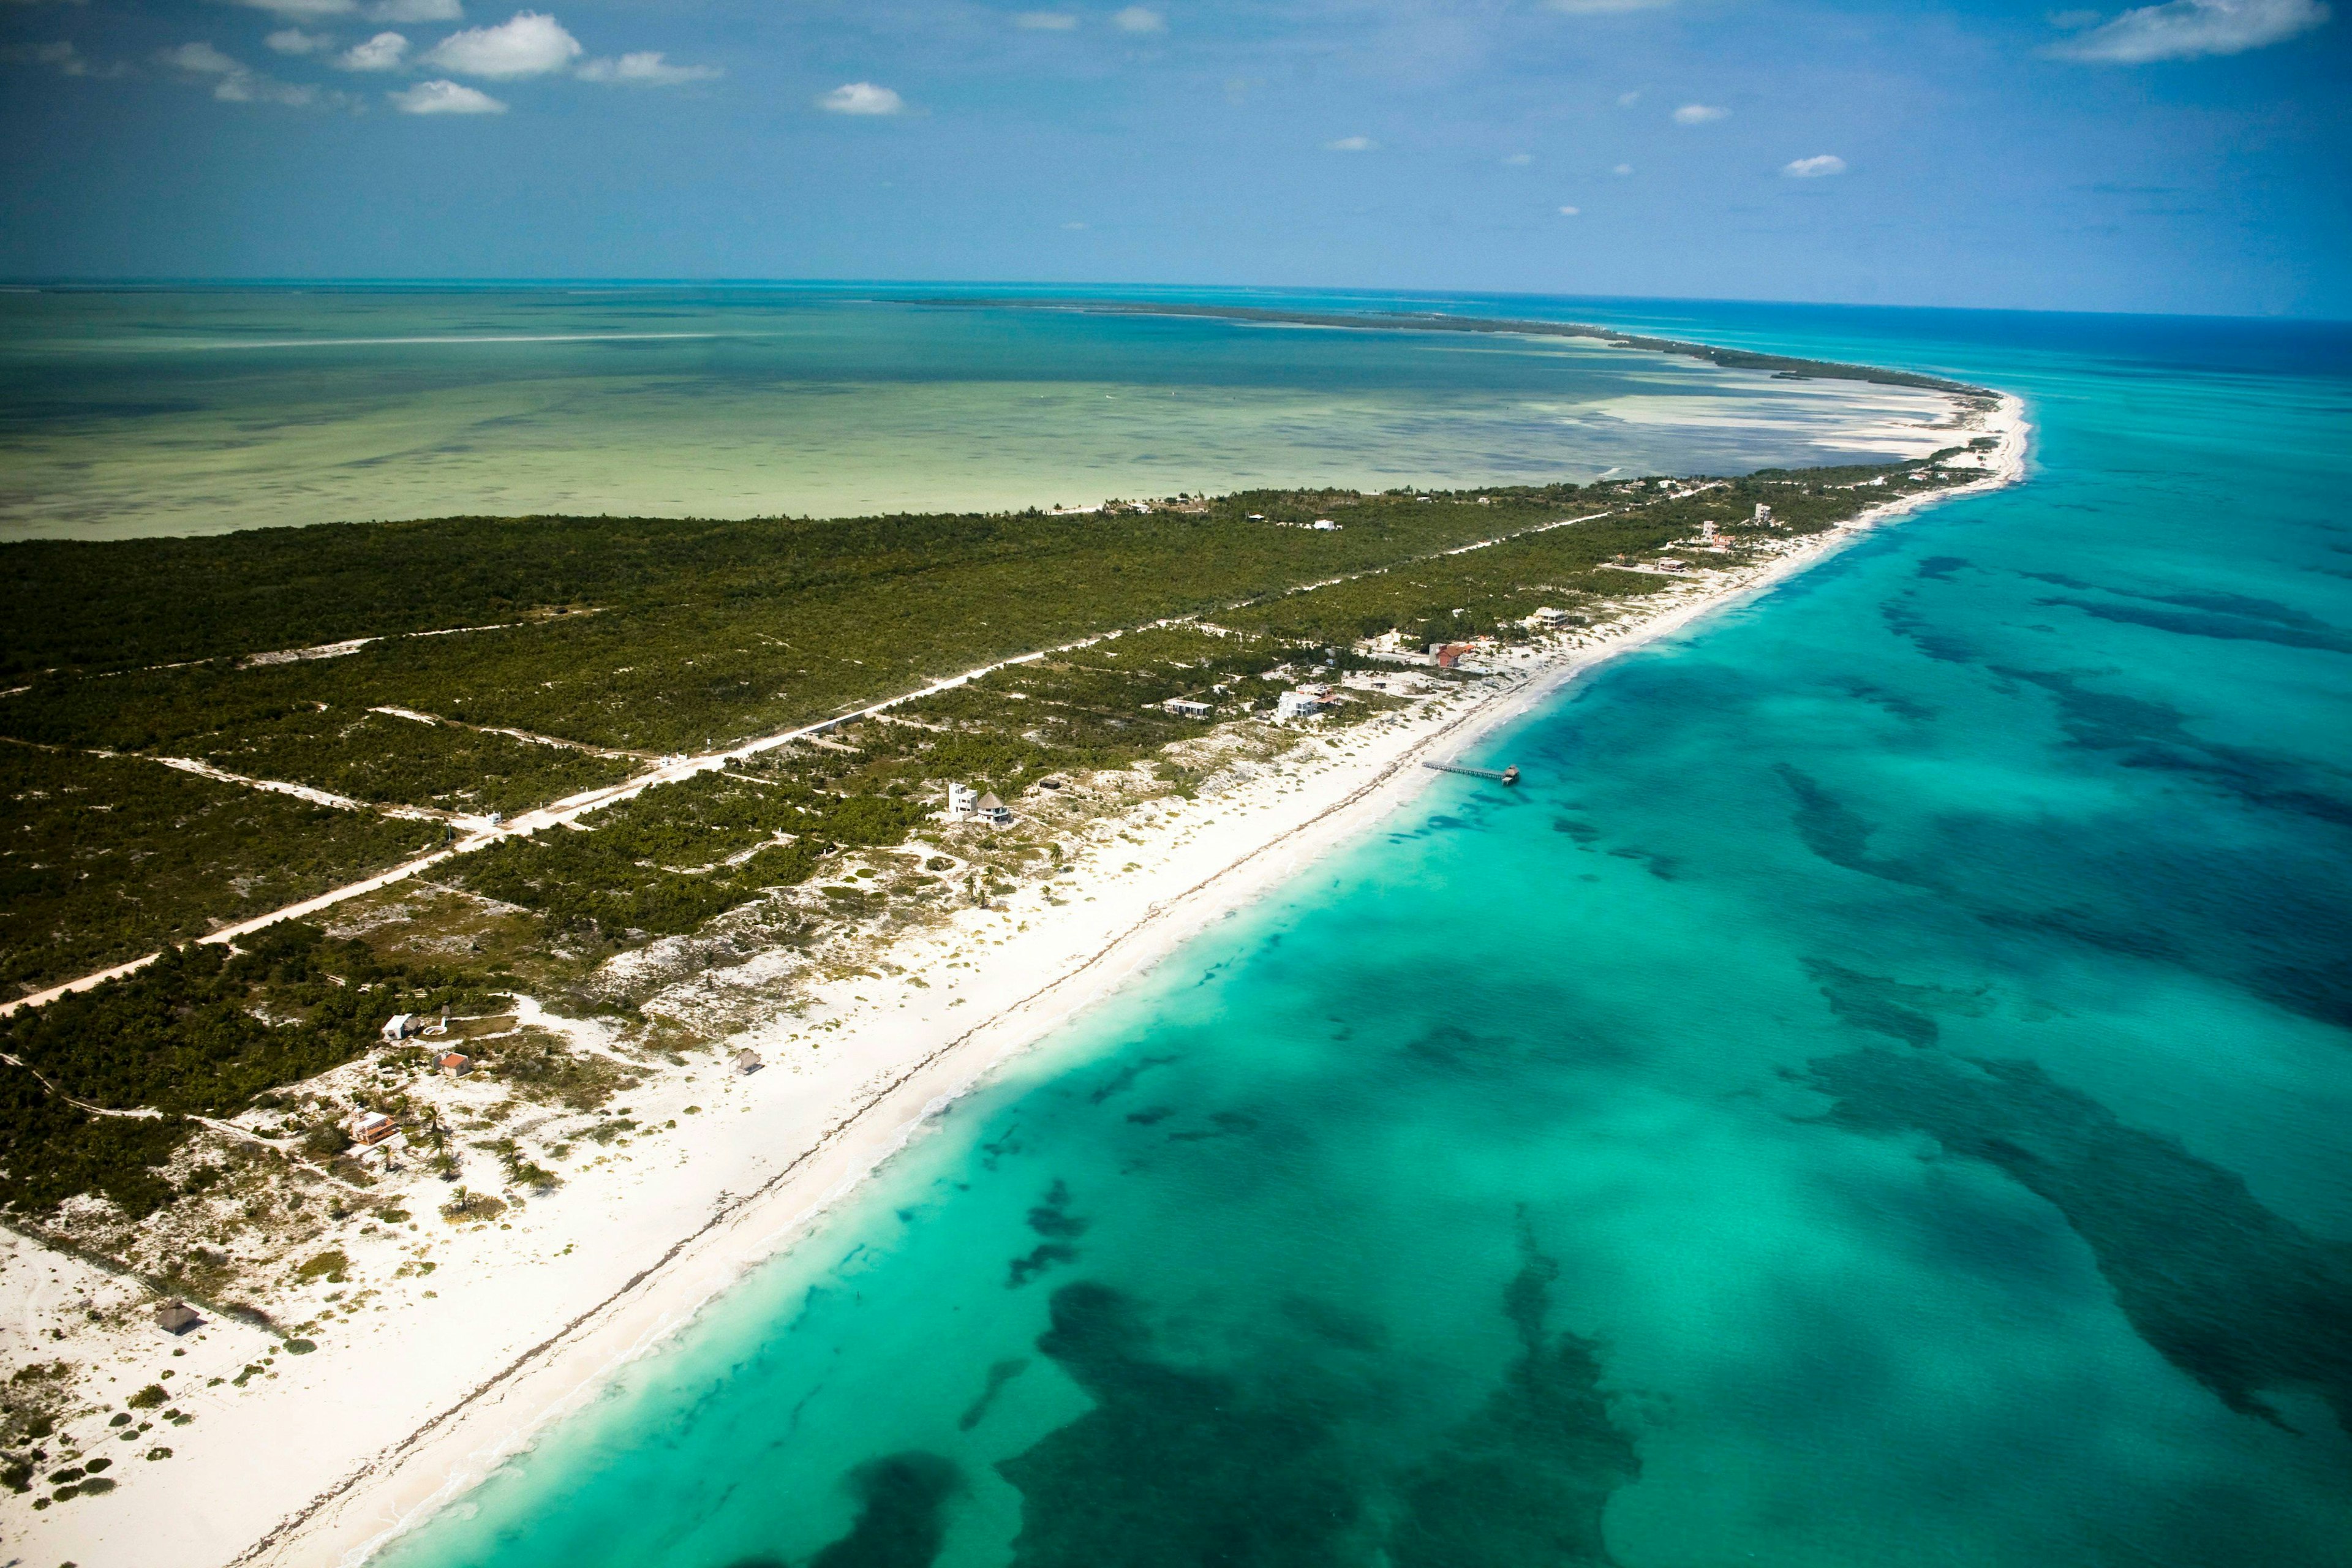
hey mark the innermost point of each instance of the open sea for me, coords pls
(1879, 1092)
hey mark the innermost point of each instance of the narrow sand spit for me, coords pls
(426, 1384)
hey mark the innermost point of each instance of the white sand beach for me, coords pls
(454, 1342)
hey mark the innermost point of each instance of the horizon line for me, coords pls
(63, 283)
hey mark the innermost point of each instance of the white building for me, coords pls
(1187, 708)
(1547, 620)
(1304, 704)
(961, 799)
(400, 1026)
(991, 810)
(1763, 518)
(1325, 525)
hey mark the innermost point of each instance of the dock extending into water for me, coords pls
(1509, 776)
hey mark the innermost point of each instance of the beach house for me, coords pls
(1187, 708)
(1304, 702)
(991, 810)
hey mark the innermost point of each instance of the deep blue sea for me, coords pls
(1880, 1092)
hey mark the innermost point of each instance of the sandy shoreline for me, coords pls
(414, 1397)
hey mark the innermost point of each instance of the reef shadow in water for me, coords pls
(1834, 831)
(2155, 736)
(2236, 1297)
(1176, 1468)
(1905, 621)
(1525, 1481)
(1124, 1078)
(1885, 700)
(1173, 1468)
(998, 1374)
(1891, 1007)
(2232, 626)
(901, 1516)
(1662, 867)
(1052, 1220)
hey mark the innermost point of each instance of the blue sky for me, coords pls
(2194, 155)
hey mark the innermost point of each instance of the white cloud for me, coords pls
(444, 98)
(382, 53)
(1816, 167)
(1519, 160)
(235, 82)
(861, 97)
(1570, 212)
(1045, 21)
(1138, 19)
(1351, 145)
(1622, 169)
(646, 68)
(1628, 100)
(199, 60)
(526, 44)
(2184, 29)
(1698, 114)
(295, 41)
(416, 11)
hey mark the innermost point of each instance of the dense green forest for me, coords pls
(671, 858)
(646, 637)
(105, 859)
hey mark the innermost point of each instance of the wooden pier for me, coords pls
(1509, 776)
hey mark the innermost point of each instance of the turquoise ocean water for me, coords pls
(1877, 1094)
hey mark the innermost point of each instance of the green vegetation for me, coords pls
(106, 859)
(327, 1266)
(672, 858)
(199, 1032)
(644, 636)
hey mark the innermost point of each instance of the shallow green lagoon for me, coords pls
(161, 411)
(1875, 1095)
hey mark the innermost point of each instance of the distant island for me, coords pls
(376, 889)
(1975, 397)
